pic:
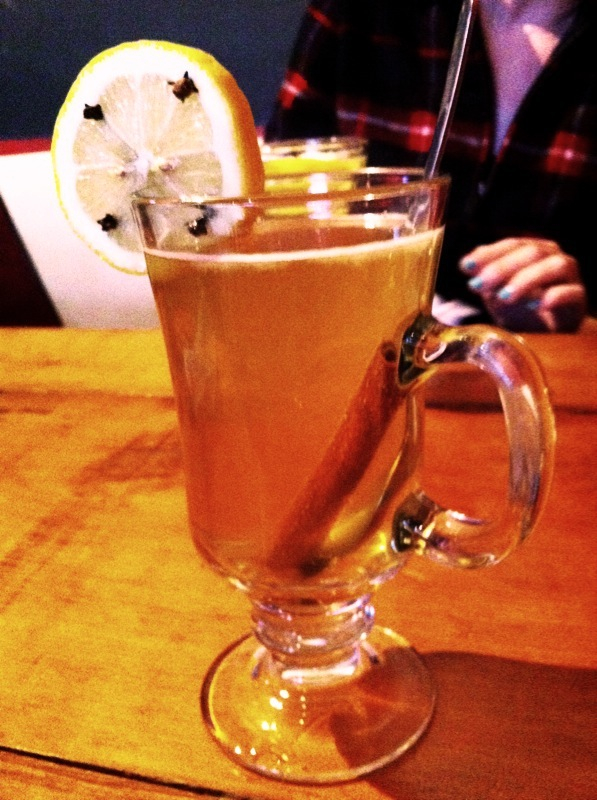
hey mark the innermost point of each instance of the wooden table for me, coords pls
(109, 621)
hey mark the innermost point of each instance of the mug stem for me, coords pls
(313, 643)
(318, 712)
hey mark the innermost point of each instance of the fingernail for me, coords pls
(533, 305)
(475, 283)
(468, 265)
(504, 294)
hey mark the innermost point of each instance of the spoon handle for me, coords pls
(452, 86)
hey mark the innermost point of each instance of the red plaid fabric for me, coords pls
(377, 68)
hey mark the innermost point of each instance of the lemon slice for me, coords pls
(155, 117)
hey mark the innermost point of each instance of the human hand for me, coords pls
(527, 284)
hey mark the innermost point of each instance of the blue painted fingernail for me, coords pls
(533, 305)
(468, 265)
(475, 283)
(504, 294)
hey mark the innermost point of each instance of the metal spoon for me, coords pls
(452, 87)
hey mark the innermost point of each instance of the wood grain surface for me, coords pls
(109, 620)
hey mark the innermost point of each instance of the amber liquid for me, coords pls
(266, 353)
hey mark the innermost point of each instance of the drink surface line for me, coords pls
(276, 258)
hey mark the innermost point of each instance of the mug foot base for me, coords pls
(295, 728)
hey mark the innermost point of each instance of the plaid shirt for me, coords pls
(377, 68)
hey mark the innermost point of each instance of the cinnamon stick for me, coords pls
(342, 467)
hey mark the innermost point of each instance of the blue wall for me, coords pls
(44, 44)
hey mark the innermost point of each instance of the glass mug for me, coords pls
(298, 333)
(288, 157)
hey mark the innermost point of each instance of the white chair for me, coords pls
(86, 292)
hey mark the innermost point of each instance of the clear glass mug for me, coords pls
(298, 332)
(289, 157)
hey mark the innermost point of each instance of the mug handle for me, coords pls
(448, 536)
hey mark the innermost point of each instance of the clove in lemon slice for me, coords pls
(150, 116)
